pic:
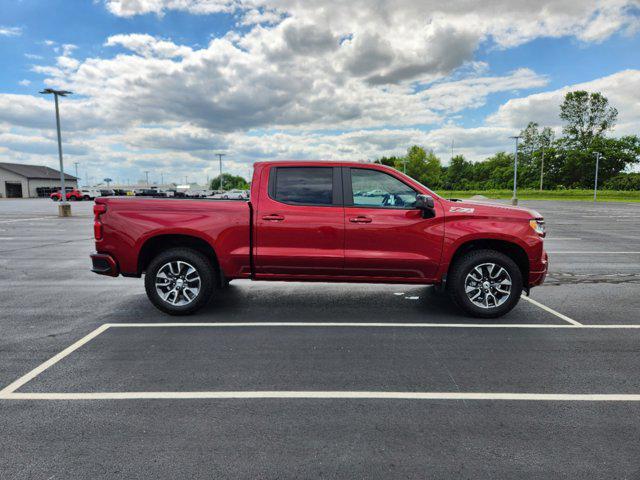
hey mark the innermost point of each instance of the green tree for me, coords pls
(389, 161)
(458, 175)
(587, 116)
(229, 182)
(623, 181)
(424, 167)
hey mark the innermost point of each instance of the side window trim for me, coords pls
(337, 194)
(348, 188)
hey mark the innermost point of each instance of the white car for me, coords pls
(90, 193)
(235, 194)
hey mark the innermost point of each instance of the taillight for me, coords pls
(98, 209)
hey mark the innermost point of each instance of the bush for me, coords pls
(623, 181)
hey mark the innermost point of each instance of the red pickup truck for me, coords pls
(327, 222)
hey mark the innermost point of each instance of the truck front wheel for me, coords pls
(179, 281)
(485, 283)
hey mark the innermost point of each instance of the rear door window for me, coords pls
(303, 185)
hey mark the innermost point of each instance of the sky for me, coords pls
(163, 85)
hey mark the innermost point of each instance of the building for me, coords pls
(30, 181)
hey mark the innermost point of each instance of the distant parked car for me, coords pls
(106, 192)
(375, 193)
(146, 192)
(234, 194)
(72, 195)
(89, 193)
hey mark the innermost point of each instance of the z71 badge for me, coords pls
(461, 210)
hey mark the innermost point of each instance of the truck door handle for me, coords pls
(274, 217)
(360, 219)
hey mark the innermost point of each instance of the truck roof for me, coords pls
(320, 163)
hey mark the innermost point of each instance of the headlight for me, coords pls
(538, 225)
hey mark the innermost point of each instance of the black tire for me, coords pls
(465, 264)
(55, 199)
(204, 269)
(72, 198)
(86, 197)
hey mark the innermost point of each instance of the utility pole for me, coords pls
(404, 165)
(161, 178)
(76, 165)
(146, 172)
(452, 149)
(186, 180)
(595, 185)
(514, 199)
(542, 169)
(64, 209)
(220, 155)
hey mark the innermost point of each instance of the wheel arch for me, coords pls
(511, 249)
(156, 244)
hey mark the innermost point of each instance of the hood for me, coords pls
(488, 208)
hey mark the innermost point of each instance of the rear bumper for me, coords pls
(104, 264)
(537, 277)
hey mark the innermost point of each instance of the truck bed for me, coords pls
(130, 223)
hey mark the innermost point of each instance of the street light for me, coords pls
(64, 209)
(220, 155)
(146, 173)
(514, 199)
(542, 169)
(76, 164)
(595, 185)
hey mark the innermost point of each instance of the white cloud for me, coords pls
(25, 82)
(622, 89)
(472, 92)
(10, 31)
(148, 46)
(129, 8)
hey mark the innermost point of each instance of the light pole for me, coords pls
(595, 185)
(514, 199)
(542, 169)
(161, 178)
(76, 165)
(64, 209)
(220, 155)
(146, 173)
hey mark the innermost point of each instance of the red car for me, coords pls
(328, 222)
(72, 195)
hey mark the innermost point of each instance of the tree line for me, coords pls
(544, 162)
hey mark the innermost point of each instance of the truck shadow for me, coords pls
(245, 301)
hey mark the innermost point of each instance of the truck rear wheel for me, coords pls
(179, 281)
(485, 283)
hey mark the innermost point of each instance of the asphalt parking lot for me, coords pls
(279, 380)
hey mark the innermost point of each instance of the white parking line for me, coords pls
(561, 238)
(52, 361)
(554, 397)
(585, 252)
(25, 219)
(552, 311)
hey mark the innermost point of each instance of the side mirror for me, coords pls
(426, 204)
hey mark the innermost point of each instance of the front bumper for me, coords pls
(537, 277)
(104, 264)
